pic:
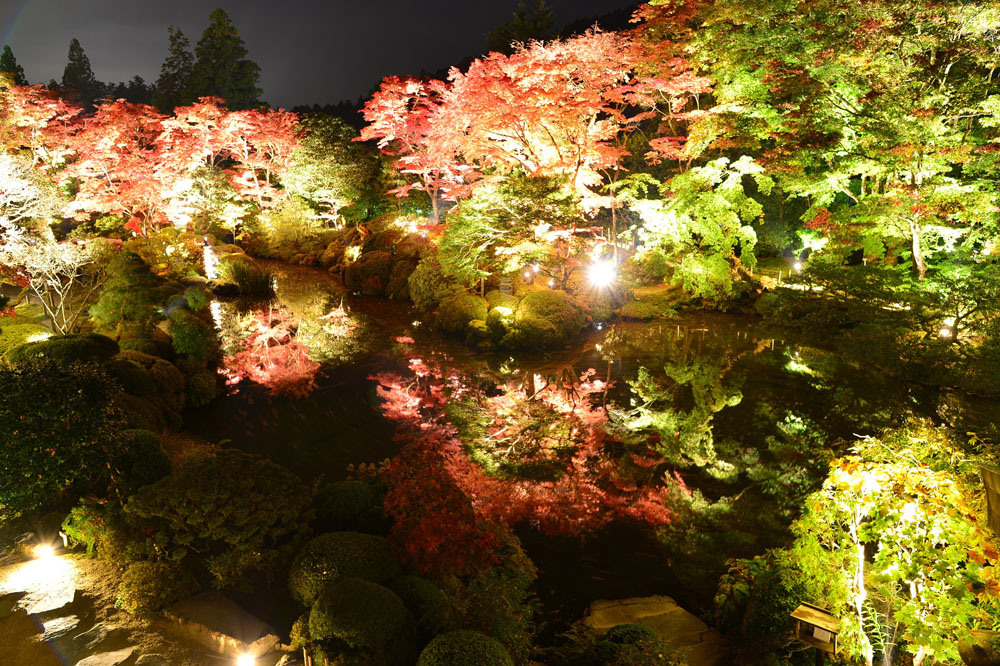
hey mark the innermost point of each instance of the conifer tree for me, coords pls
(173, 88)
(8, 63)
(79, 78)
(221, 68)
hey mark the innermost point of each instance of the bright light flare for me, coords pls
(945, 332)
(797, 266)
(44, 551)
(246, 659)
(602, 274)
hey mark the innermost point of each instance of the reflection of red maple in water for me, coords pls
(590, 492)
(272, 357)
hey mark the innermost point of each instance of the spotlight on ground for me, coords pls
(44, 551)
(246, 659)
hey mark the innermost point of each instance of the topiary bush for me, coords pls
(128, 301)
(350, 506)
(191, 336)
(464, 648)
(140, 461)
(369, 273)
(433, 609)
(160, 409)
(66, 349)
(230, 515)
(456, 311)
(383, 241)
(413, 247)
(358, 613)
(428, 285)
(150, 586)
(497, 298)
(399, 280)
(133, 378)
(546, 318)
(336, 555)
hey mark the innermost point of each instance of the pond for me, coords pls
(743, 421)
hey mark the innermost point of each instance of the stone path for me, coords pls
(700, 644)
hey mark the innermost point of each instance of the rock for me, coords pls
(152, 660)
(59, 627)
(980, 652)
(194, 281)
(8, 602)
(698, 643)
(221, 625)
(290, 659)
(224, 289)
(91, 638)
(107, 658)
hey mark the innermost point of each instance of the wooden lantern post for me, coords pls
(818, 628)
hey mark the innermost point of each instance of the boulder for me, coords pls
(107, 658)
(219, 624)
(8, 602)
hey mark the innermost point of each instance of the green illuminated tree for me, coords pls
(892, 544)
(868, 109)
(703, 230)
(221, 68)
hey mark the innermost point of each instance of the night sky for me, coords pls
(309, 51)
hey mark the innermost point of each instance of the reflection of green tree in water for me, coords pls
(680, 406)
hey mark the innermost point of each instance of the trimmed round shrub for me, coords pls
(427, 283)
(566, 313)
(413, 247)
(66, 349)
(336, 555)
(464, 648)
(639, 310)
(350, 505)
(497, 298)
(431, 606)
(359, 613)
(383, 241)
(455, 312)
(134, 379)
(149, 586)
(399, 280)
(141, 460)
(358, 276)
(298, 637)
(145, 346)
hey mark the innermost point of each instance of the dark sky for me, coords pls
(309, 51)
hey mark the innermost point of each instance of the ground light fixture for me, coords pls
(601, 274)
(246, 659)
(44, 551)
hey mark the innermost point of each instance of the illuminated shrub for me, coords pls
(150, 586)
(413, 248)
(330, 557)
(134, 379)
(428, 286)
(66, 349)
(497, 298)
(432, 608)
(399, 280)
(545, 319)
(85, 525)
(383, 241)
(456, 311)
(191, 336)
(253, 281)
(370, 270)
(13, 335)
(358, 613)
(464, 648)
(350, 505)
(298, 636)
(640, 310)
(229, 514)
(129, 300)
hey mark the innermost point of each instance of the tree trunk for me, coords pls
(918, 257)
